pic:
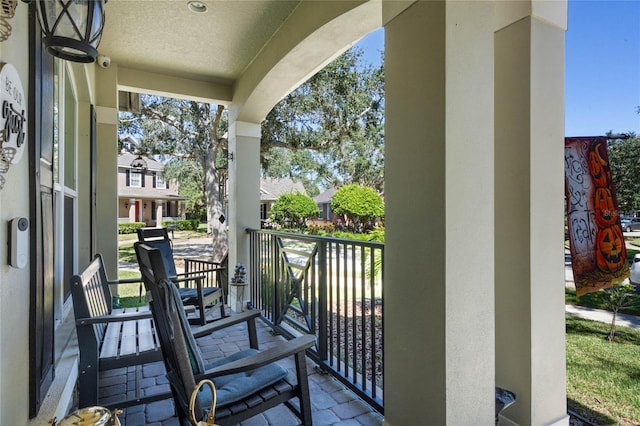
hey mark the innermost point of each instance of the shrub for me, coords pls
(321, 228)
(183, 225)
(130, 227)
(292, 210)
(358, 206)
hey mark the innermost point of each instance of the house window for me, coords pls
(135, 179)
(160, 183)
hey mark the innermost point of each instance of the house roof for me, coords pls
(325, 197)
(125, 159)
(271, 189)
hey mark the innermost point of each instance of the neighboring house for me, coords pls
(324, 204)
(143, 193)
(271, 189)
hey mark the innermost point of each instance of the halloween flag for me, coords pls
(598, 254)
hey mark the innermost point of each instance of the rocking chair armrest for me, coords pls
(180, 278)
(246, 316)
(103, 319)
(125, 281)
(283, 350)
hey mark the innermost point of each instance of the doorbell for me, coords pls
(19, 237)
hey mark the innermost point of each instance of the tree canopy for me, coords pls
(358, 206)
(624, 160)
(330, 130)
(292, 210)
(190, 134)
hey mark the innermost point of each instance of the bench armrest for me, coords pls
(103, 319)
(125, 281)
(282, 350)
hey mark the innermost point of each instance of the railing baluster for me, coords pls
(341, 308)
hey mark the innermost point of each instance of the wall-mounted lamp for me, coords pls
(126, 205)
(71, 29)
(230, 156)
(145, 205)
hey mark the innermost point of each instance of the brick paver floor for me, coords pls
(332, 403)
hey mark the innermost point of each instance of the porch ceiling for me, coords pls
(247, 54)
(166, 37)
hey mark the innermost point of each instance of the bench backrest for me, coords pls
(91, 295)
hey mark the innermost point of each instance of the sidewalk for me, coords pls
(625, 320)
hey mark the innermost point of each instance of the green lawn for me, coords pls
(603, 378)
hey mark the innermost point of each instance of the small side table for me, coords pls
(240, 295)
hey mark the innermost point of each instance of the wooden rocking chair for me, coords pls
(197, 288)
(247, 383)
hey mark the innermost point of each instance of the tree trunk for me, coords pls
(612, 330)
(215, 211)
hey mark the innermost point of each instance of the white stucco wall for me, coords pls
(14, 283)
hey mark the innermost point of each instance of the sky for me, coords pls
(602, 67)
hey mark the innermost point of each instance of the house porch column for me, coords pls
(159, 212)
(106, 84)
(529, 187)
(132, 210)
(244, 193)
(439, 197)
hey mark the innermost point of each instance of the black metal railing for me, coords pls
(328, 287)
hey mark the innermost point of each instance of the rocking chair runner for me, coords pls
(247, 383)
(194, 291)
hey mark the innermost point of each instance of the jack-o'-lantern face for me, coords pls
(596, 167)
(606, 213)
(610, 251)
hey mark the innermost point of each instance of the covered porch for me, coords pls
(473, 167)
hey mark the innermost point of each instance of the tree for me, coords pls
(617, 297)
(624, 160)
(358, 206)
(191, 133)
(292, 210)
(329, 131)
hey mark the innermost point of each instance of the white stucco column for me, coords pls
(159, 212)
(530, 312)
(439, 197)
(244, 193)
(132, 210)
(107, 166)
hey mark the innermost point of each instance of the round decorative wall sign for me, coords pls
(13, 119)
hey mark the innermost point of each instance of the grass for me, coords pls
(603, 378)
(130, 293)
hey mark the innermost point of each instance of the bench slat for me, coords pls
(110, 341)
(128, 338)
(146, 336)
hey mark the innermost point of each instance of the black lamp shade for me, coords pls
(71, 28)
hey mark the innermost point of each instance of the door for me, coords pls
(41, 318)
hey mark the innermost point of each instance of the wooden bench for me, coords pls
(110, 338)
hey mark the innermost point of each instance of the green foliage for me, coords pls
(321, 228)
(293, 209)
(183, 225)
(130, 227)
(330, 130)
(358, 206)
(624, 160)
(190, 175)
(614, 298)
